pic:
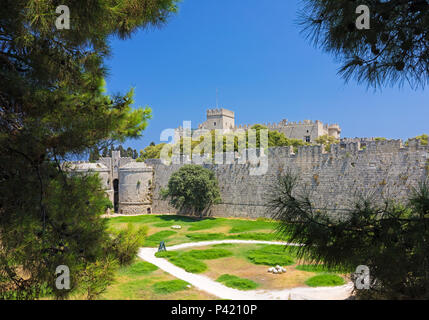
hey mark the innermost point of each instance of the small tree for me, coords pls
(97, 276)
(326, 141)
(424, 139)
(192, 188)
(126, 243)
(389, 237)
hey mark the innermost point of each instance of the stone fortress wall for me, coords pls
(386, 167)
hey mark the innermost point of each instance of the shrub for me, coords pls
(125, 243)
(237, 282)
(325, 280)
(192, 188)
(97, 276)
(166, 287)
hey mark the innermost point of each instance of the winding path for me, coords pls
(215, 288)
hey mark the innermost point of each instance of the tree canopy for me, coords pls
(53, 107)
(192, 188)
(394, 50)
(390, 237)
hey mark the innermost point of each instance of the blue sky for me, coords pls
(265, 70)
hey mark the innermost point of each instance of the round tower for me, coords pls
(134, 186)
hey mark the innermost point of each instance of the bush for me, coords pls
(237, 282)
(166, 287)
(192, 188)
(126, 243)
(325, 280)
(97, 276)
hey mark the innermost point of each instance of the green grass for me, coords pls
(166, 287)
(181, 260)
(325, 280)
(132, 288)
(319, 268)
(166, 254)
(208, 254)
(188, 264)
(138, 268)
(205, 236)
(211, 228)
(240, 236)
(190, 260)
(250, 225)
(223, 245)
(156, 238)
(271, 255)
(207, 224)
(254, 236)
(237, 282)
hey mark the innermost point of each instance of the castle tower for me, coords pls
(219, 119)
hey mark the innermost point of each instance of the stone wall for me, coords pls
(385, 167)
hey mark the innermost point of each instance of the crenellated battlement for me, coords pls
(220, 113)
(308, 153)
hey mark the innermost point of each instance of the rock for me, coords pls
(284, 269)
(275, 271)
(176, 227)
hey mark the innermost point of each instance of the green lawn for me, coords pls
(272, 255)
(320, 268)
(325, 280)
(237, 282)
(198, 230)
(190, 261)
(143, 280)
(165, 287)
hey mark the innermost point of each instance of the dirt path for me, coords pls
(206, 284)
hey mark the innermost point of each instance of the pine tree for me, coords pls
(394, 50)
(53, 107)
